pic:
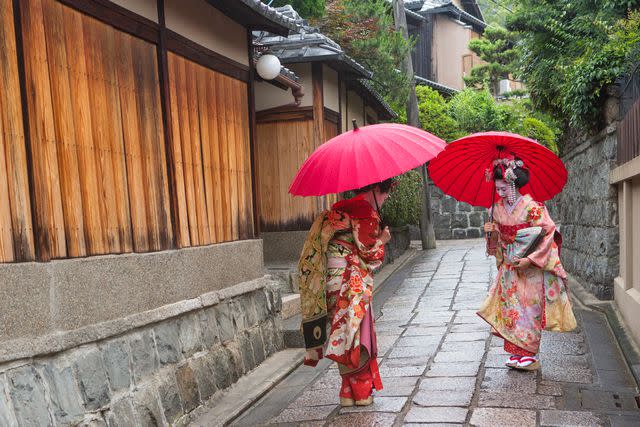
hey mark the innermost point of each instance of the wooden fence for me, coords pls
(89, 172)
(629, 126)
(284, 139)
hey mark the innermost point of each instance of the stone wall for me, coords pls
(587, 213)
(152, 374)
(453, 219)
(40, 300)
(399, 243)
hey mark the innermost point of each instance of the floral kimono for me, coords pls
(521, 303)
(336, 288)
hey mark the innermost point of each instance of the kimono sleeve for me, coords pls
(538, 216)
(370, 247)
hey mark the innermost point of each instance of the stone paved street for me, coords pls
(440, 364)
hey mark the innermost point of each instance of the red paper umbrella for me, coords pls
(364, 156)
(459, 170)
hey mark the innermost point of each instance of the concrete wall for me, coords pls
(330, 89)
(40, 301)
(450, 44)
(587, 212)
(200, 22)
(283, 247)
(146, 8)
(627, 284)
(151, 374)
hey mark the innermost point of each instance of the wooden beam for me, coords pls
(332, 116)
(285, 113)
(339, 103)
(22, 77)
(205, 57)
(163, 71)
(318, 116)
(118, 17)
(255, 197)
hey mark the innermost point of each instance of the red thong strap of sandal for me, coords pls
(528, 359)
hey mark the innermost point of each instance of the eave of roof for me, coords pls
(256, 15)
(443, 89)
(374, 99)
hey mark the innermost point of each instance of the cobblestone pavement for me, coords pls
(440, 365)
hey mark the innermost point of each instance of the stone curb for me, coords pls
(628, 347)
(223, 409)
(55, 343)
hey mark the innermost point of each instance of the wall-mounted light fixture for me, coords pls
(268, 66)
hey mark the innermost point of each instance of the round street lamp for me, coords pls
(268, 67)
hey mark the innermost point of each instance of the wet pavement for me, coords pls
(441, 366)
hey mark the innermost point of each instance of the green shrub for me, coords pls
(434, 114)
(538, 130)
(475, 111)
(404, 205)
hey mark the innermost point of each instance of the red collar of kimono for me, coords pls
(356, 207)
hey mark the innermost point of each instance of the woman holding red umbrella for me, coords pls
(346, 243)
(529, 294)
(350, 237)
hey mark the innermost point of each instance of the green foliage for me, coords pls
(496, 49)
(434, 114)
(472, 111)
(365, 30)
(571, 50)
(476, 111)
(536, 129)
(404, 205)
(306, 8)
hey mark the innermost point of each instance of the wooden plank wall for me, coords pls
(282, 145)
(210, 125)
(91, 177)
(96, 136)
(629, 135)
(16, 229)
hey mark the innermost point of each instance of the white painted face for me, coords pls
(502, 188)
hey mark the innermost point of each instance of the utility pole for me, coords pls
(427, 234)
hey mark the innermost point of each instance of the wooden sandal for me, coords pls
(512, 361)
(528, 363)
(365, 402)
(346, 402)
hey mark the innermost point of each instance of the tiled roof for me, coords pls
(367, 91)
(307, 44)
(443, 89)
(439, 6)
(270, 13)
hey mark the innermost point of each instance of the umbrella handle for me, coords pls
(489, 233)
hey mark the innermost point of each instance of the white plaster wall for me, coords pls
(303, 71)
(146, 8)
(200, 22)
(330, 89)
(450, 44)
(269, 96)
(371, 112)
(355, 110)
